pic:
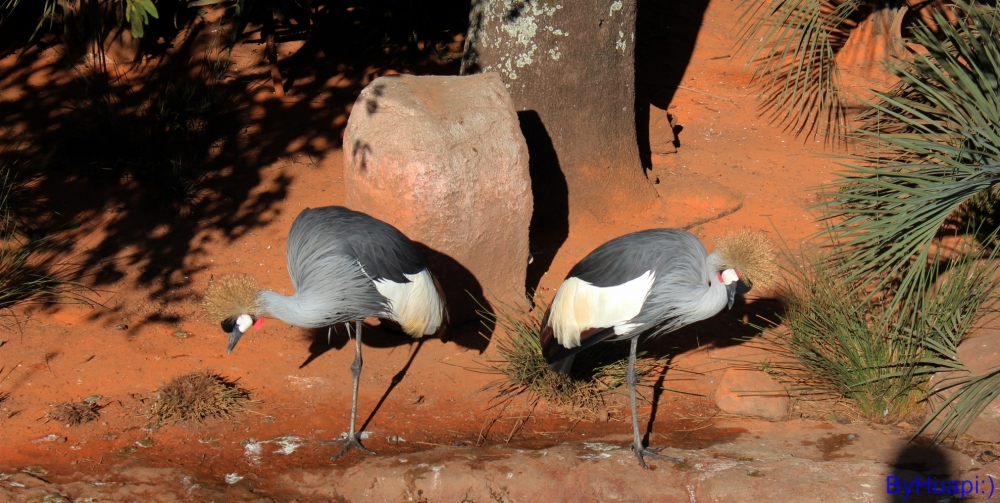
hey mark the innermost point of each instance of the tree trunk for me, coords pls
(573, 64)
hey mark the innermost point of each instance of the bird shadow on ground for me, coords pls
(666, 32)
(396, 379)
(726, 329)
(384, 335)
(336, 337)
(919, 461)
(464, 297)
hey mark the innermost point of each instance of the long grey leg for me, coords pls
(352, 439)
(637, 447)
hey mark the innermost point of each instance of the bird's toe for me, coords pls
(351, 442)
(654, 452)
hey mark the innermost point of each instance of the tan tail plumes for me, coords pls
(751, 254)
(230, 296)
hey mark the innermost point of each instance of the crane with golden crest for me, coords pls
(647, 284)
(345, 266)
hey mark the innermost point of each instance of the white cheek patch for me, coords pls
(729, 276)
(244, 322)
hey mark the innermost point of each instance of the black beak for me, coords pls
(235, 335)
(730, 289)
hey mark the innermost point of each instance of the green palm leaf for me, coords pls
(791, 46)
(929, 146)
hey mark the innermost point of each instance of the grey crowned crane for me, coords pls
(345, 266)
(648, 283)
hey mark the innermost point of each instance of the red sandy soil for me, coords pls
(66, 353)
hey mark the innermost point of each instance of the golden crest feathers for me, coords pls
(230, 296)
(750, 253)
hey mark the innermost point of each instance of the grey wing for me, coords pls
(683, 278)
(384, 251)
(381, 249)
(331, 280)
(627, 257)
(678, 261)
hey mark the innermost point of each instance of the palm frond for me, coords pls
(838, 341)
(135, 14)
(931, 144)
(791, 46)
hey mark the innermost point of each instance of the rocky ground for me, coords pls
(732, 460)
(424, 405)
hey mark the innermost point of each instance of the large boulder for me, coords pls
(443, 159)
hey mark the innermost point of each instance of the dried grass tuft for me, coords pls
(198, 396)
(597, 372)
(750, 253)
(74, 414)
(230, 296)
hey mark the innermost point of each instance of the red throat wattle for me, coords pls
(259, 323)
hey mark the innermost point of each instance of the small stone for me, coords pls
(144, 442)
(751, 393)
(92, 399)
(52, 437)
(661, 131)
(49, 498)
(121, 326)
(980, 355)
(128, 449)
(35, 470)
(180, 334)
(269, 419)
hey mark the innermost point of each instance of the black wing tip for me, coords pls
(560, 358)
(442, 331)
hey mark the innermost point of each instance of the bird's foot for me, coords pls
(641, 451)
(351, 441)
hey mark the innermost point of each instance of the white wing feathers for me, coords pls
(579, 306)
(416, 305)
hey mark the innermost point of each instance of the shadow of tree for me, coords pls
(666, 32)
(549, 225)
(168, 154)
(927, 465)
(464, 294)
